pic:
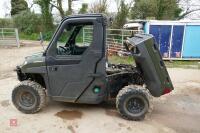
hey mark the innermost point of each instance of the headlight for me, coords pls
(25, 62)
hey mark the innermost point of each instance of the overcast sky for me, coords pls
(76, 5)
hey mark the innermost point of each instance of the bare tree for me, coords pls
(69, 11)
(99, 6)
(123, 9)
(58, 5)
(189, 7)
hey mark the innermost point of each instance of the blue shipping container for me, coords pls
(162, 34)
(177, 41)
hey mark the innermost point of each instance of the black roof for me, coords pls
(85, 15)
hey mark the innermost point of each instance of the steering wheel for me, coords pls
(67, 50)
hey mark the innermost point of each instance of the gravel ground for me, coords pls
(176, 112)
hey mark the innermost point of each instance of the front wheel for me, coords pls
(29, 97)
(132, 102)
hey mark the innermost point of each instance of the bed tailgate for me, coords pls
(148, 59)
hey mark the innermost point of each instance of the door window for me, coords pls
(75, 39)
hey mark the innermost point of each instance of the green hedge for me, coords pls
(28, 22)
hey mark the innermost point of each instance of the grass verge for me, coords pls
(169, 64)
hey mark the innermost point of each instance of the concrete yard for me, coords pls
(178, 112)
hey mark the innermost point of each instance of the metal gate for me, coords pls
(9, 37)
(114, 40)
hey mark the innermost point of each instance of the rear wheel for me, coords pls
(29, 97)
(132, 102)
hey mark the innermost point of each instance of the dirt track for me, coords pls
(176, 112)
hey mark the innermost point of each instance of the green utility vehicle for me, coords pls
(77, 73)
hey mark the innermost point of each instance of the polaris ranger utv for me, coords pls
(72, 72)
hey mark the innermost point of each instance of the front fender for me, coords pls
(39, 70)
(30, 73)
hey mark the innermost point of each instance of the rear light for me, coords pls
(166, 91)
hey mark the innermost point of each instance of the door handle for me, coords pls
(53, 68)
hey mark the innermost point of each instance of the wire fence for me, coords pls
(9, 37)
